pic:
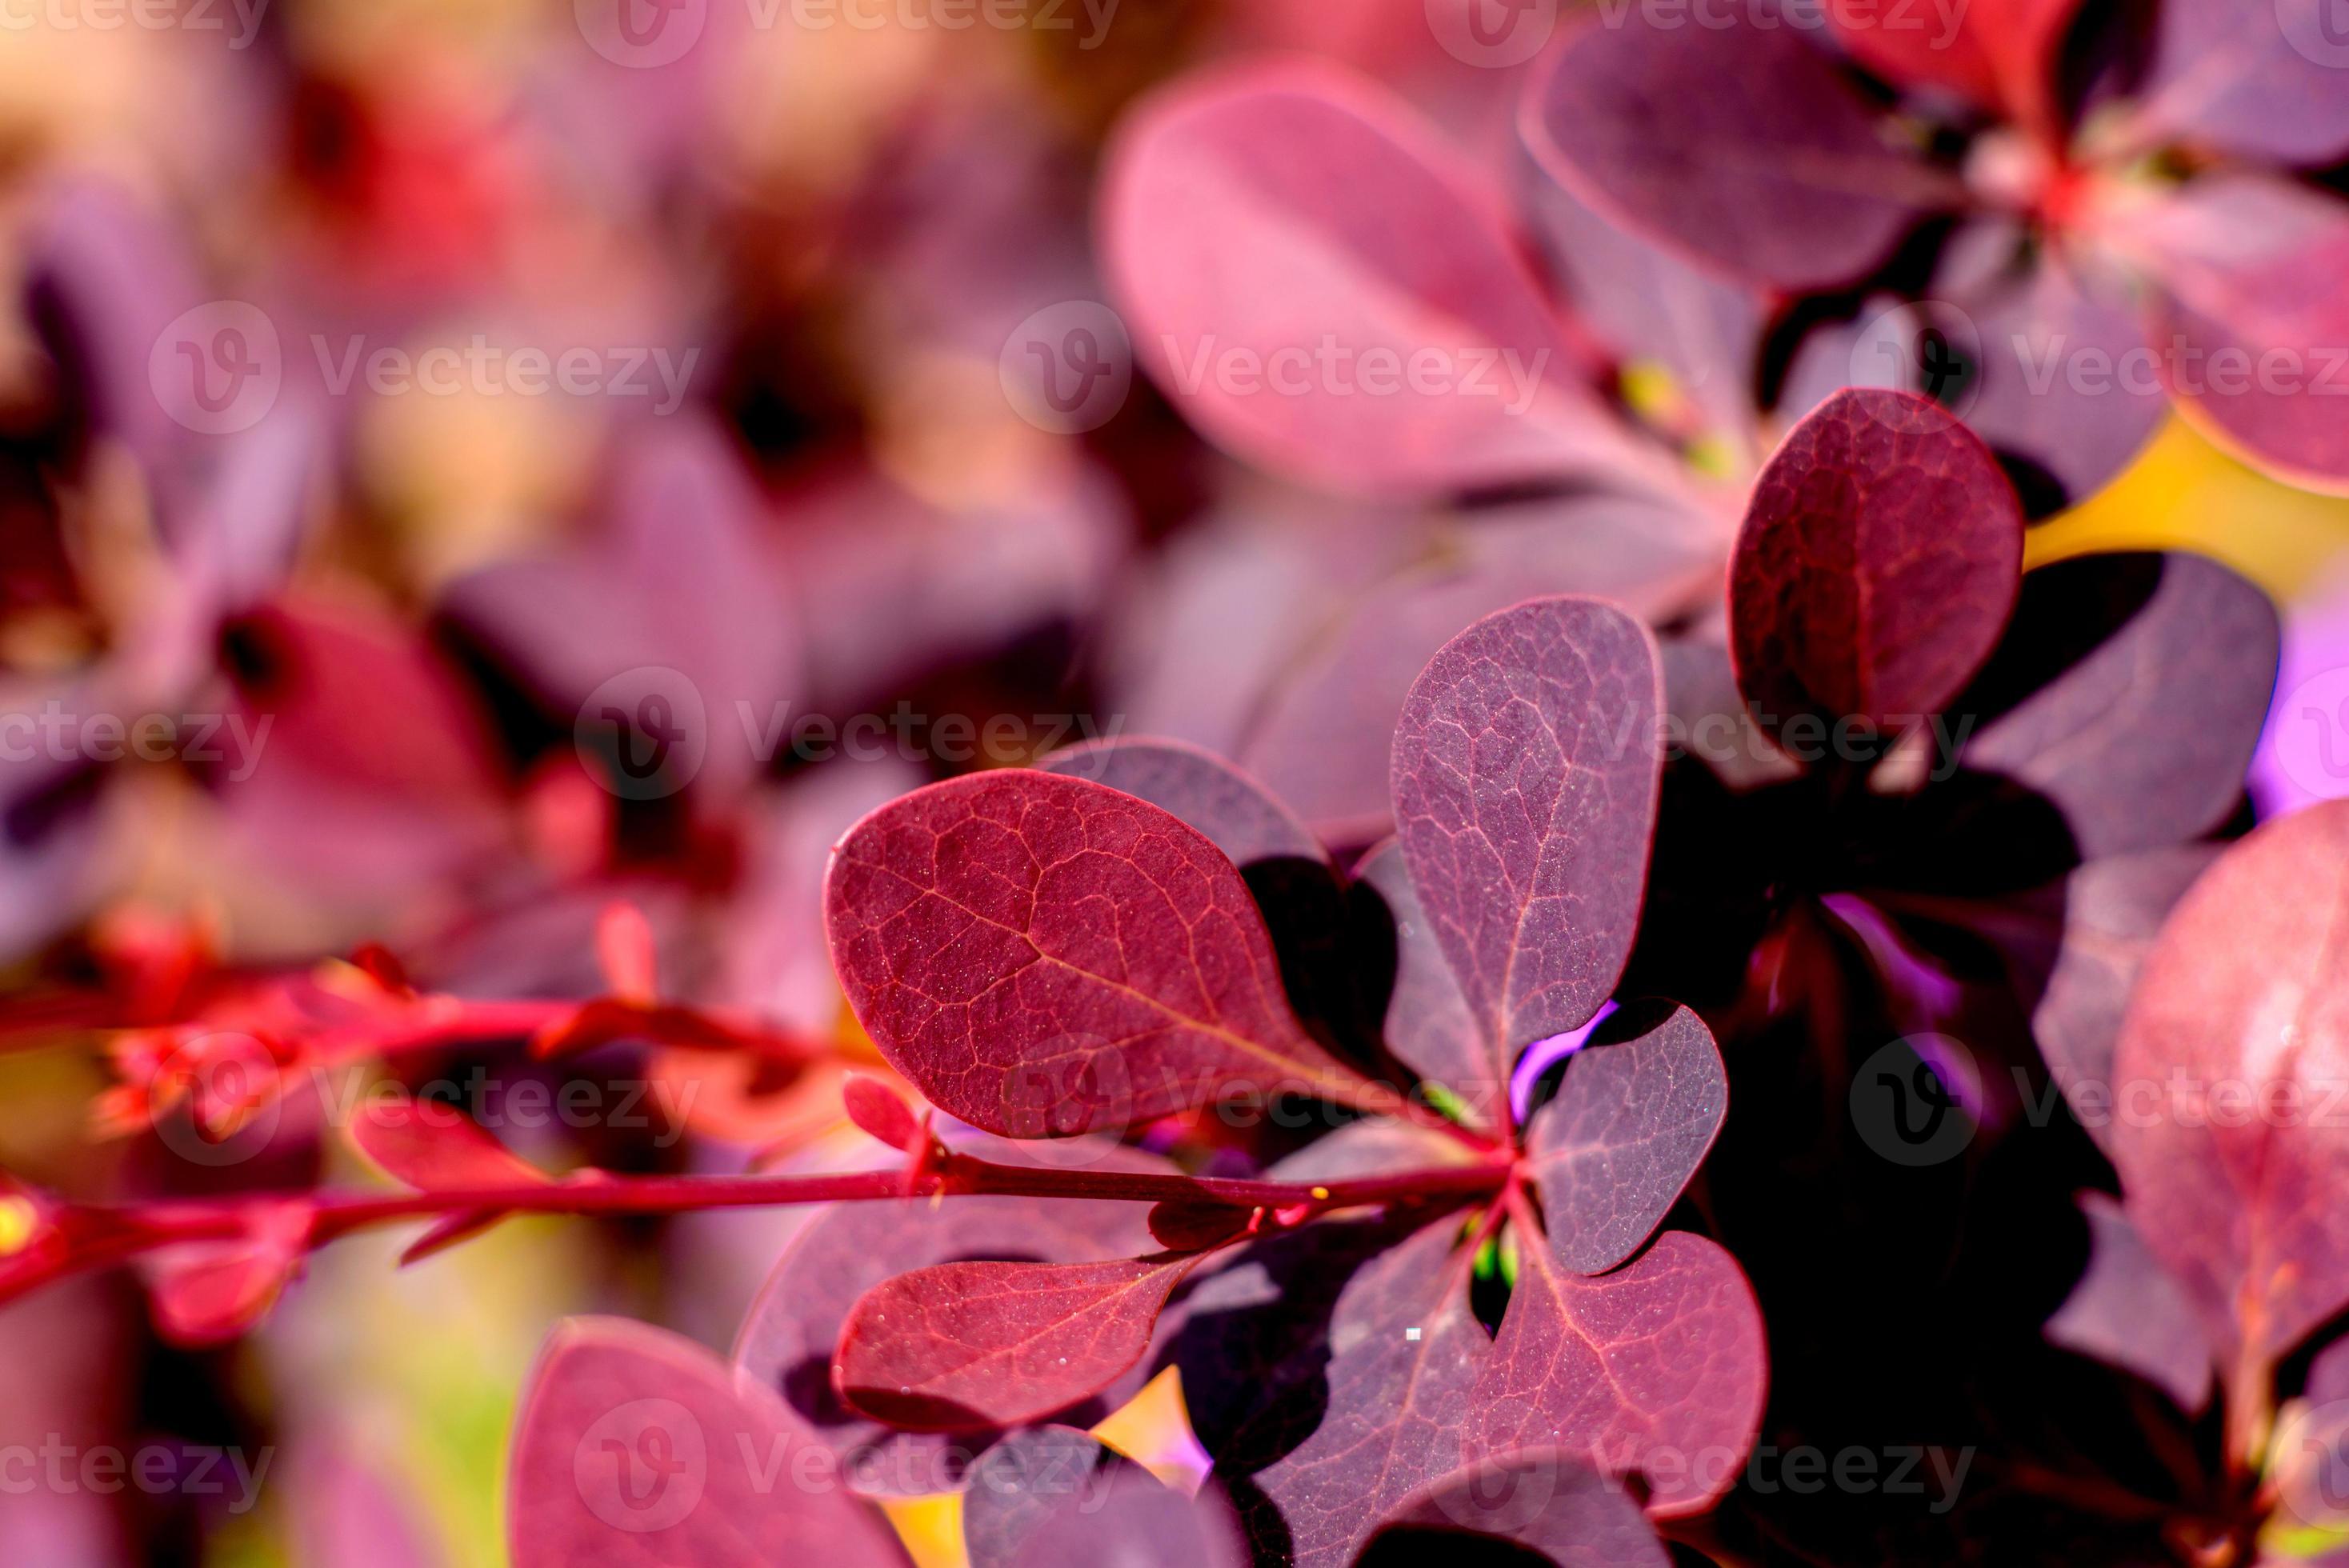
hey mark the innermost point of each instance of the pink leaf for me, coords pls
(1366, 240)
(964, 1346)
(874, 1107)
(2259, 78)
(635, 1447)
(2127, 1312)
(1877, 564)
(1525, 777)
(1768, 165)
(1547, 1501)
(2239, 1030)
(1044, 956)
(1634, 1116)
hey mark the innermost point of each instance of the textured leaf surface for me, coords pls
(1043, 956)
(637, 1447)
(1659, 1366)
(2127, 1312)
(1056, 1498)
(1365, 235)
(1878, 563)
(1525, 777)
(1231, 808)
(1638, 1108)
(2152, 674)
(1768, 165)
(1334, 1453)
(2242, 1013)
(964, 1346)
(2255, 77)
(1547, 1501)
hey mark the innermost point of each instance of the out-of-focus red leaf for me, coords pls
(1770, 166)
(875, 1108)
(2248, 325)
(1525, 777)
(2257, 78)
(1365, 236)
(1043, 956)
(1230, 807)
(1196, 1227)
(1055, 1498)
(965, 1346)
(1546, 1502)
(1639, 1106)
(205, 1293)
(2001, 53)
(2129, 691)
(2127, 1312)
(2235, 1043)
(637, 1446)
(437, 1146)
(1877, 564)
(1660, 1362)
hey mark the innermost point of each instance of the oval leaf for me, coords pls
(2128, 1313)
(1525, 777)
(1194, 784)
(1043, 956)
(1877, 564)
(1547, 1501)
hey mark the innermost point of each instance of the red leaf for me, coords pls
(2127, 1312)
(208, 1291)
(2000, 53)
(1656, 1368)
(1769, 166)
(637, 1447)
(433, 1146)
(623, 952)
(1634, 1116)
(1366, 237)
(964, 1346)
(2242, 1013)
(1181, 1227)
(874, 1107)
(1546, 1501)
(1877, 564)
(1525, 777)
(1230, 807)
(2249, 322)
(1043, 956)
(2259, 78)
(1055, 1498)
(1428, 1025)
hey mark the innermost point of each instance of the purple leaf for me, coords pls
(1231, 808)
(1428, 1027)
(1638, 1109)
(1055, 1498)
(1525, 777)
(1042, 956)
(1327, 1461)
(2259, 78)
(2152, 674)
(1768, 165)
(1546, 1501)
(2239, 1036)
(2129, 1313)
(2248, 327)
(1657, 1368)
(637, 1447)
(1878, 563)
(1366, 238)
(967, 1346)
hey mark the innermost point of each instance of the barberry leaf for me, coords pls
(431, 1146)
(1428, 1025)
(2241, 1021)
(1635, 1113)
(1367, 241)
(965, 1346)
(1658, 1368)
(637, 1446)
(877, 1112)
(1230, 807)
(1770, 167)
(2001, 53)
(1525, 777)
(1546, 1501)
(1053, 1497)
(2127, 1312)
(1042, 956)
(2249, 76)
(1877, 564)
